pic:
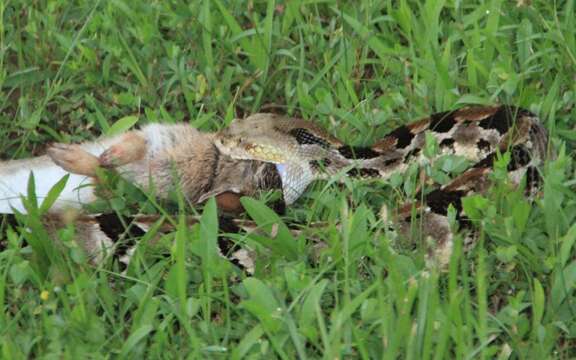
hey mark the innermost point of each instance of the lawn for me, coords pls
(73, 70)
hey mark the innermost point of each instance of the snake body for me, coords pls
(305, 152)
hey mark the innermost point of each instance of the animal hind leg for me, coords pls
(131, 148)
(74, 159)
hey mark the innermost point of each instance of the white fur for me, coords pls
(14, 177)
(79, 188)
(157, 137)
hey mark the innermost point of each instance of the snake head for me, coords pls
(255, 138)
(276, 139)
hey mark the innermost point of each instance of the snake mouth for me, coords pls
(241, 150)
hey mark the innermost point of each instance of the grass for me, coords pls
(71, 70)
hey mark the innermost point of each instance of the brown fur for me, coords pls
(187, 159)
(131, 148)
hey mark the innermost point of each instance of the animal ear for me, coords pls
(217, 192)
(227, 200)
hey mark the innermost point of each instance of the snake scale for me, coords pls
(274, 152)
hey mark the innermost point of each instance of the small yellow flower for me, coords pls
(44, 295)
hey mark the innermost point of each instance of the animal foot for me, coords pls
(131, 148)
(111, 157)
(73, 158)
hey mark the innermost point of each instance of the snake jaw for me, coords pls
(250, 148)
(265, 153)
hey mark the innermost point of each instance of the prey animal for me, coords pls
(161, 156)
